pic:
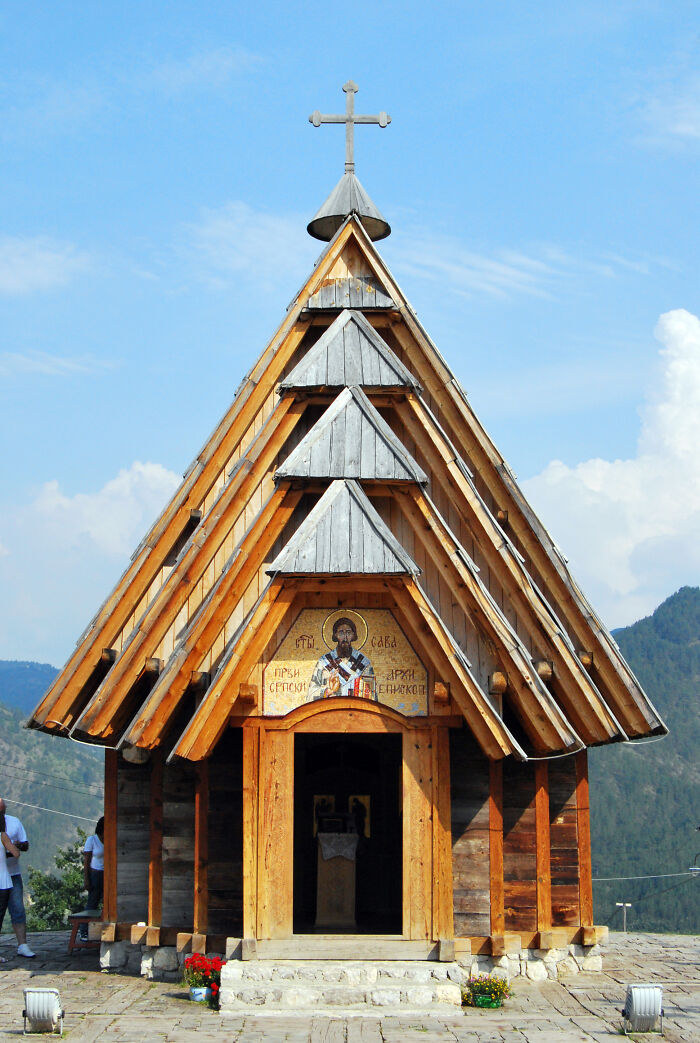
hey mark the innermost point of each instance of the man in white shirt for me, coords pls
(15, 831)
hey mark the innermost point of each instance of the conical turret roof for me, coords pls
(348, 197)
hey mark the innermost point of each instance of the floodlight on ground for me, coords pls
(43, 1011)
(642, 1008)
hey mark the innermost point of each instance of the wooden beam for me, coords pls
(155, 860)
(251, 767)
(276, 835)
(498, 919)
(210, 719)
(157, 710)
(173, 595)
(540, 716)
(443, 914)
(588, 713)
(543, 847)
(201, 848)
(109, 900)
(488, 729)
(583, 824)
(550, 573)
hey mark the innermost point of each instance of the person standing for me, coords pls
(93, 871)
(18, 839)
(7, 849)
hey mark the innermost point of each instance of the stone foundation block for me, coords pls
(536, 970)
(386, 997)
(165, 958)
(419, 996)
(567, 966)
(113, 955)
(299, 997)
(448, 992)
(361, 975)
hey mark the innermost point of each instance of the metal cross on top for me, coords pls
(349, 119)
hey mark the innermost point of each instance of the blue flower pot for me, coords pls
(200, 993)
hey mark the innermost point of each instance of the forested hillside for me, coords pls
(41, 770)
(645, 798)
(23, 684)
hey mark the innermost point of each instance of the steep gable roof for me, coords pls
(351, 440)
(343, 534)
(350, 352)
(202, 570)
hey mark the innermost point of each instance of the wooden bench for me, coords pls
(86, 916)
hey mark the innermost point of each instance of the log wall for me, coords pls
(469, 776)
(178, 844)
(564, 842)
(519, 846)
(133, 795)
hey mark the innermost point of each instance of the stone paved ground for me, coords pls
(584, 1008)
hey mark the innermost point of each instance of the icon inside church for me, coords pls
(347, 654)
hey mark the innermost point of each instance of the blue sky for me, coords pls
(158, 170)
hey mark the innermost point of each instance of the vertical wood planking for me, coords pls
(417, 834)
(443, 920)
(276, 835)
(109, 902)
(563, 833)
(469, 800)
(519, 846)
(251, 765)
(201, 848)
(544, 871)
(496, 846)
(583, 819)
(155, 862)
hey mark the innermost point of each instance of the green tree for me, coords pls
(53, 896)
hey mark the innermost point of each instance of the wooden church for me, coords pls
(347, 684)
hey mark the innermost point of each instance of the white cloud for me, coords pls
(41, 363)
(542, 270)
(631, 527)
(237, 242)
(211, 69)
(64, 553)
(29, 264)
(114, 517)
(670, 110)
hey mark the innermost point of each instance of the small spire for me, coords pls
(348, 196)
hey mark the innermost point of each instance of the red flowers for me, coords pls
(204, 971)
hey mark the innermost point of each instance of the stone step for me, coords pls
(332, 985)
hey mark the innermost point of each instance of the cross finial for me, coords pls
(349, 119)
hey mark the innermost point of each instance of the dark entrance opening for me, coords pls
(330, 773)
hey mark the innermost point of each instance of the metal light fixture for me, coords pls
(642, 1009)
(43, 1011)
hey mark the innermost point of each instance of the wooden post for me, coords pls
(251, 765)
(583, 822)
(418, 873)
(109, 902)
(276, 835)
(496, 846)
(155, 861)
(543, 850)
(201, 848)
(443, 915)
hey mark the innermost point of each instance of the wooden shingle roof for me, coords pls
(350, 352)
(351, 440)
(343, 534)
(172, 651)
